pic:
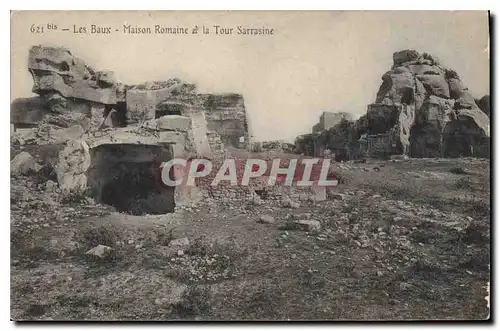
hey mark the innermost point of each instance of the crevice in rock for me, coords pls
(119, 118)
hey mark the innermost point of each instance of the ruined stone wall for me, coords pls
(27, 112)
(80, 109)
(328, 120)
(379, 145)
(198, 134)
(226, 115)
(215, 142)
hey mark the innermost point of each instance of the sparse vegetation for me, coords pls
(459, 171)
(394, 246)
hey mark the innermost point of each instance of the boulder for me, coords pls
(27, 111)
(170, 123)
(395, 87)
(435, 85)
(266, 219)
(56, 69)
(467, 134)
(74, 160)
(23, 164)
(425, 69)
(100, 252)
(181, 242)
(484, 104)
(290, 204)
(308, 225)
(143, 100)
(318, 194)
(405, 56)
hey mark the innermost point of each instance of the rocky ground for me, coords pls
(397, 240)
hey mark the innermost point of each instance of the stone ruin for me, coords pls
(422, 109)
(328, 120)
(108, 139)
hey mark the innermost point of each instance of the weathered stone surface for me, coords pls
(198, 135)
(427, 98)
(484, 104)
(100, 251)
(425, 69)
(422, 109)
(74, 161)
(173, 137)
(59, 136)
(226, 115)
(435, 85)
(328, 120)
(426, 133)
(27, 111)
(290, 204)
(56, 69)
(23, 163)
(318, 194)
(404, 56)
(396, 87)
(142, 100)
(174, 123)
(106, 78)
(181, 242)
(308, 225)
(266, 219)
(83, 109)
(216, 145)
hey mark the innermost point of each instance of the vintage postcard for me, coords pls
(250, 165)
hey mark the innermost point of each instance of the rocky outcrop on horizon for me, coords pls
(422, 109)
(427, 111)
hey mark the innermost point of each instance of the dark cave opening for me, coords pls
(119, 117)
(127, 177)
(168, 109)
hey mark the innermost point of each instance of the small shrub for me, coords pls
(75, 198)
(462, 183)
(479, 207)
(459, 171)
(289, 225)
(208, 263)
(196, 301)
(344, 177)
(94, 236)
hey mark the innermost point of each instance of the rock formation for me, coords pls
(226, 115)
(328, 120)
(422, 109)
(99, 124)
(333, 142)
(484, 104)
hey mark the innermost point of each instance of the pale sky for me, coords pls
(315, 61)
